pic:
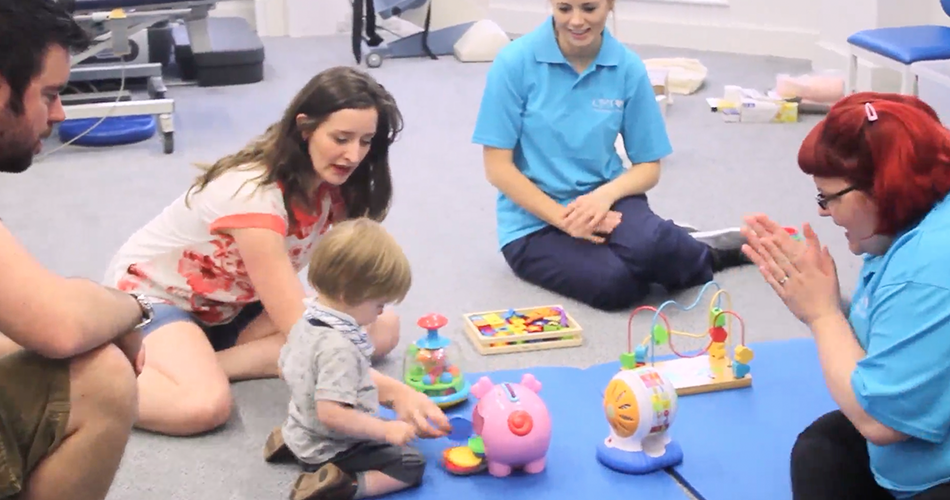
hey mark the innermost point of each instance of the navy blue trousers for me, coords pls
(830, 462)
(644, 249)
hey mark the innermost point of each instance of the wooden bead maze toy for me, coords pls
(708, 370)
(521, 330)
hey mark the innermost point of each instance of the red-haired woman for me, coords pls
(881, 163)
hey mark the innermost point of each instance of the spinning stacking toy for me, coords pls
(430, 365)
(709, 369)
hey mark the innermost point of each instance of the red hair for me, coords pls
(901, 159)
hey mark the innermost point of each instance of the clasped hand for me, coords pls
(589, 217)
(802, 273)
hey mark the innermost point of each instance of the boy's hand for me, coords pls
(418, 409)
(399, 433)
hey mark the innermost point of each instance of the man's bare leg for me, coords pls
(103, 409)
(7, 346)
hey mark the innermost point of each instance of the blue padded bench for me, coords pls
(898, 48)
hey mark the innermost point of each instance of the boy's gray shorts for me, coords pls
(402, 463)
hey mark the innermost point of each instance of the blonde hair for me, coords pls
(358, 260)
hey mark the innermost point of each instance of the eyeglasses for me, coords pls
(823, 199)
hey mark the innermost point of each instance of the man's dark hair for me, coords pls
(28, 28)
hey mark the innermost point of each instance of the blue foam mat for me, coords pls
(111, 131)
(736, 443)
(572, 471)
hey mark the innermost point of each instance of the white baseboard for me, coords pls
(735, 38)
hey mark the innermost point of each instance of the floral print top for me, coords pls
(183, 258)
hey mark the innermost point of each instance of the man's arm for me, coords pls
(54, 316)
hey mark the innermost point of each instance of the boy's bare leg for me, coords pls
(103, 400)
(378, 484)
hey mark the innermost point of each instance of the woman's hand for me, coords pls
(760, 226)
(417, 409)
(803, 275)
(589, 217)
(610, 222)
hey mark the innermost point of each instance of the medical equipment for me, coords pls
(236, 55)
(113, 23)
(435, 29)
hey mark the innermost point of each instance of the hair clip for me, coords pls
(872, 113)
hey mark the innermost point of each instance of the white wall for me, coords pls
(743, 26)
(236, 8)
(838, 19)
(296, 18)
(815, 30)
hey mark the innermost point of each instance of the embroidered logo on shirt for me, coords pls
(607, 104)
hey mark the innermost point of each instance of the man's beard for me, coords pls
(15, 158)
(16, 144)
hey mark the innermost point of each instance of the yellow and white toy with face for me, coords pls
(640, 405)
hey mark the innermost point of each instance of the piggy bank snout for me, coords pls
(520, 423)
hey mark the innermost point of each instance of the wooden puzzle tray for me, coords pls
(521, 330)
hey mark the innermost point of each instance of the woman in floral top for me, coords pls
(221, 263)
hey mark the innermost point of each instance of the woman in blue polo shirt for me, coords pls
(881, 163)
(571, 218)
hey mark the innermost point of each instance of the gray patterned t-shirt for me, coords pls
(320, 363)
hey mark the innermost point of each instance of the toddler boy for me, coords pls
(332, 428)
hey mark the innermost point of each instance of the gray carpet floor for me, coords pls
(75, 208)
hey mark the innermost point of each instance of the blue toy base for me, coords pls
(638, 462)
(113, 131)
(453, 399)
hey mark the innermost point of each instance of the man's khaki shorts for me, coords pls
(34, 411)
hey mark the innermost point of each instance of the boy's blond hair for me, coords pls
(358, 260)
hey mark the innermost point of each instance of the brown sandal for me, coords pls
(327, 483)
(275, 450)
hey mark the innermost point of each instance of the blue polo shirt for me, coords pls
(900, 313)
(561, 125)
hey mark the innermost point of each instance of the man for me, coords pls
(72, 349)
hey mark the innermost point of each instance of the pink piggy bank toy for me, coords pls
(514, 425)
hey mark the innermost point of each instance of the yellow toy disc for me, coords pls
(462, 456)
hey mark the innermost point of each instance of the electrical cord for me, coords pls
(123, 63)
